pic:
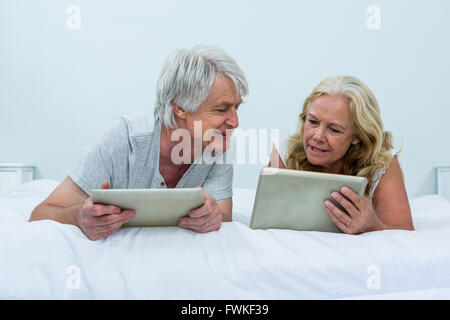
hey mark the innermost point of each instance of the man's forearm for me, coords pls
(67, 215)
(226, 208)
(226, 216)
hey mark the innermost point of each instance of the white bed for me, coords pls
(48, 260)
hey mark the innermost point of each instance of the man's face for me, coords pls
(217, 116)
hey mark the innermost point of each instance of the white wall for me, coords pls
(59, 87)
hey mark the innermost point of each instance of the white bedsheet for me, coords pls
(44, 259)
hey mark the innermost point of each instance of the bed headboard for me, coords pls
(443, 181)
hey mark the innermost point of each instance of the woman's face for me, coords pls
(328, 132)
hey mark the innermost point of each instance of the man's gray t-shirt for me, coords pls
(127, 155)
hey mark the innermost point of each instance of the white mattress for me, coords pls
(45, 259)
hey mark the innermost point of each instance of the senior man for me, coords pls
(198, 92)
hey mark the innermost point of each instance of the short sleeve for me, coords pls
(104, 159)
(219, 182)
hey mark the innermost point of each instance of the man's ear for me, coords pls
(356, 140)
(178, 111)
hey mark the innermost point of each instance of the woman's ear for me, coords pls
(178, 111)
(356, 140)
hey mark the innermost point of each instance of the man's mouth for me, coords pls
(226, 134)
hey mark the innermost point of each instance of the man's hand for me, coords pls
(204, 219)
(98, 221)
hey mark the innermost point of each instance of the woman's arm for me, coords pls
(390, 206)
(390, 199)
(275, 160)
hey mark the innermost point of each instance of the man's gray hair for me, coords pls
(187, 78)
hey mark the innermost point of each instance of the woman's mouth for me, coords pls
(317, 151)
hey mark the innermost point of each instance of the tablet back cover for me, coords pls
(154, 207)
(291, 199)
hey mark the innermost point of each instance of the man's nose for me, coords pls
(233, 120)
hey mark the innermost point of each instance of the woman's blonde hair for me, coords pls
(373, 150)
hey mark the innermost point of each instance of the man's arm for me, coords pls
(226, 206)
(62, 205)
(69, 204)
(220, 183)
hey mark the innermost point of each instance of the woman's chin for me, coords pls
(314, 161)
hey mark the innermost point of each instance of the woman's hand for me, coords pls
(360, 216)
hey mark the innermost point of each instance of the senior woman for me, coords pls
(341, 131)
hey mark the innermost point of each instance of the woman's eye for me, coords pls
(335, 130)
(313, 122)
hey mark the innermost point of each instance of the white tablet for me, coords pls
(292, 199)
(154, 207)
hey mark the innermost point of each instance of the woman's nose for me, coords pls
(319, 135)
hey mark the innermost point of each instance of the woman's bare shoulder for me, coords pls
(390, 199)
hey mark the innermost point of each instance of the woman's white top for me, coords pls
(283, 149)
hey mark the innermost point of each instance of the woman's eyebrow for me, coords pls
(330, 123)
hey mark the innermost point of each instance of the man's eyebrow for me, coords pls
(227, 104)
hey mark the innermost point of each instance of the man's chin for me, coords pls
(213, 149)
(217, 149)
